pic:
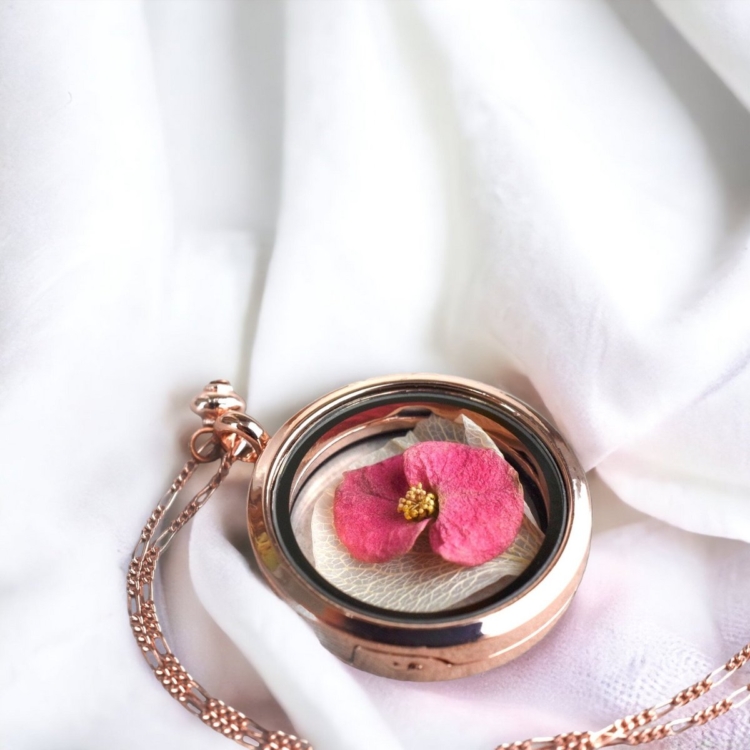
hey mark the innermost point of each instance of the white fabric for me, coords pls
(551, 197)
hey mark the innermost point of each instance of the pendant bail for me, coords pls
(240, 435)
(228, 429)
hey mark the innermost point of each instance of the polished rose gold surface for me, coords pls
(469, 643)
(639, 729)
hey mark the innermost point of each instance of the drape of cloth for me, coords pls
(550, 197)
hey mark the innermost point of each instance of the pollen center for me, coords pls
(417, 504)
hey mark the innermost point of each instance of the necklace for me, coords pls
(488, 461)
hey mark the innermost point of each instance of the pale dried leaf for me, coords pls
(419, 581)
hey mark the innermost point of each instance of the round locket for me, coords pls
(418, 619)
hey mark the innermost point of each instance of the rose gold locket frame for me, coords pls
(449, 644)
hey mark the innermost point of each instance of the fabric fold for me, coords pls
(552, 198)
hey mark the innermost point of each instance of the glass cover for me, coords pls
(421, 579)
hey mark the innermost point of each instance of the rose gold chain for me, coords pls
(640, 728)
(237, 442)
(148, 633)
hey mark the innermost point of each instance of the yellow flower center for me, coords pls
(417, 504)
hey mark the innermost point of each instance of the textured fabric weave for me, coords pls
(550, 197)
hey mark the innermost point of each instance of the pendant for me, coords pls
(501, 615)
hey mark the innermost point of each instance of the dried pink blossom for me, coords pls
(470, 498)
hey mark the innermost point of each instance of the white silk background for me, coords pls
(553, 197)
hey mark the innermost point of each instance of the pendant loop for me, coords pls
(231, 431)
(240, 435)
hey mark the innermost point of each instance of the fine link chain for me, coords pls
(638, 729)
(148, 633)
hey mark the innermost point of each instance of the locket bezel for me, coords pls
(512, 618)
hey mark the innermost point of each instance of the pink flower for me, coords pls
(470, 498)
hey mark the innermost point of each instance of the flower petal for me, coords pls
(480, 499)
(365, 512)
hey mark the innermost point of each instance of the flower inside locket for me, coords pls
(468, 500)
